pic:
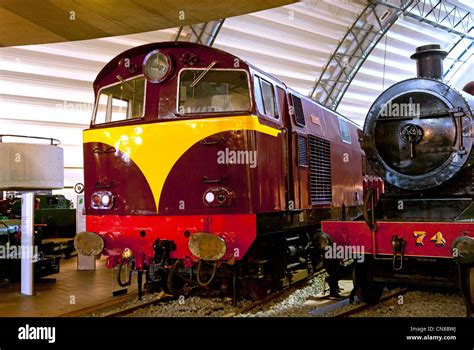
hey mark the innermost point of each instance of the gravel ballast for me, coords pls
(299, 301)
(291, 302)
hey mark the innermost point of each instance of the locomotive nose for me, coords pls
(88, 243)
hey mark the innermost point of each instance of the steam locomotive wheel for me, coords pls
(470, 288)
(259, 288)
(368, 291)
(466, 274)
(370, 294)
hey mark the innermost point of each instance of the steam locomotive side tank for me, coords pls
(418, 137)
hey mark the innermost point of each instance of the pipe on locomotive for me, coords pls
(429, 61)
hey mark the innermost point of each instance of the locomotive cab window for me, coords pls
(265, 97)
(268, 95)
(258, 94)
(52, 201)
(121, 101)
(344, 129)
(213, 91)
(298, 110)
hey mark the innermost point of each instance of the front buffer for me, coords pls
(163, 245)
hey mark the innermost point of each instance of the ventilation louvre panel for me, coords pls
(302, 151)
(320, 170)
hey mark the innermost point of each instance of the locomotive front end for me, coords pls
(418, 136)
(169, 161)
(418, 133)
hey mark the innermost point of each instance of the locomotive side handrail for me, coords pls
(54, 142)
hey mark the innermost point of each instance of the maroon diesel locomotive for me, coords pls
(205, 173)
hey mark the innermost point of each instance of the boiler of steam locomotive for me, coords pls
(418, 136)
(418, 133)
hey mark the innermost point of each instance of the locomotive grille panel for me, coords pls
(320, 170)
(302, 151)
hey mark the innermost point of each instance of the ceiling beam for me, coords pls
(37, 22)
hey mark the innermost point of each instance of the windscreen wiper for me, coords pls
(122, 80)
(198, 79)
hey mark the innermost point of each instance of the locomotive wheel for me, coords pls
(176, 284)
(370, 294)
(470, 291)
(471, 283)
(368, 291)
(259, 288)
(466, 284)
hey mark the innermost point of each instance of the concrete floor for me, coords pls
(73, 290)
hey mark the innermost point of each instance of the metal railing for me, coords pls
(54, 142)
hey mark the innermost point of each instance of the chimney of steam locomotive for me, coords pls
(429, 61)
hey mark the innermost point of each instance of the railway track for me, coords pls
(256, 303)
(164, 305)
(162, 298)
(166, 298)
(107, 304)
(269, 298)
(102, 309)
(363, 306)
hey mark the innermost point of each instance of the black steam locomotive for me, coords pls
(418, 136)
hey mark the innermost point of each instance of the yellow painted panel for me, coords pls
(156, 147)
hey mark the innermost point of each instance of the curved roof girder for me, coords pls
(440, 14)
(354, 48)
(202, 33)
(367, 30)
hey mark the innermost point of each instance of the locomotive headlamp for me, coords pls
(218, 197)
(102, 200)
(96, 200)
(209, 197)
(156, 66)
(105, 200)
